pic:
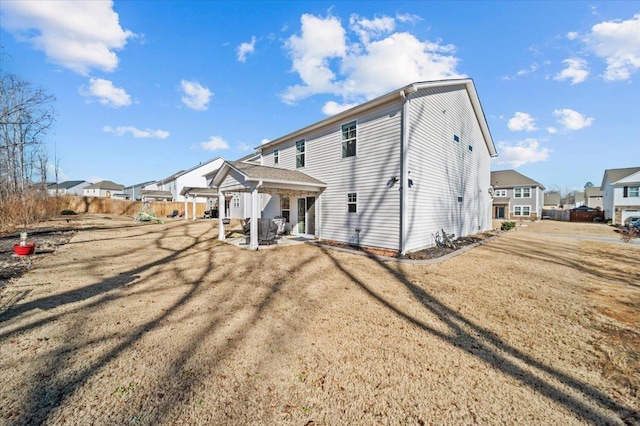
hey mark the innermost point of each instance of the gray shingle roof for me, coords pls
(105, 184)
(615, 175)
(552, 198)
(256, 172)
(510, 179)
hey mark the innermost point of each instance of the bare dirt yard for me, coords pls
(163, 324)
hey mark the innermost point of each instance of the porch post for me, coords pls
(194, 206)
(255, 214)
(221, 233)
(186, 212)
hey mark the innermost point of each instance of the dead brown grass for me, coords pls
(163, 324)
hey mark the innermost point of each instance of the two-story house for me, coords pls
(69, 187)
(195, 177)
(516, 196)
(104, 188)
(593, 197)
(388, 173)
(621, 194)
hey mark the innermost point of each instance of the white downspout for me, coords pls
(404, 169)
(193, 204)
(186, 211)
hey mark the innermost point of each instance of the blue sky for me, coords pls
(145, 89)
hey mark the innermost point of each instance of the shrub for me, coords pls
(18, 211)
(507, 226)
(67, 212)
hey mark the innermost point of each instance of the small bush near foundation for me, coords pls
(67, 212)
(507, 226)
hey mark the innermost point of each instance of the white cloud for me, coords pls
(78, 35)
(244, 147)
(333, 108)
(137, 133)
(552, 130)
(618, 43)
(522, 121)
(214, 143)
(377, 61)
(572, 35)
(523, 152)
(408, 17)
(246, 48)
(576, 71)
(368, 28)
(572, 120)
(195, 96)
(107, 93)
(263, 141)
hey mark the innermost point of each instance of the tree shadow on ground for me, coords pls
(585, 401)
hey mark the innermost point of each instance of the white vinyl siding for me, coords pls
(378, 159)
(442, 171)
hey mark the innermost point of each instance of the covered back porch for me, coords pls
(271, 193)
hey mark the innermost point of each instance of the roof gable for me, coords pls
(614, 175)
(105, 184)
(396, 95)
(510, 179)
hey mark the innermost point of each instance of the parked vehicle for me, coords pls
(632, 221)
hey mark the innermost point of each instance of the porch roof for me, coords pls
(158, 195)
(501, 200)
(199, 192)
(271, 177)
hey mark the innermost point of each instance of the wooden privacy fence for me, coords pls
(80, 204)
(574, 215)
(587, 216)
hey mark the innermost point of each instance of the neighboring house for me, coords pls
(551, 201)
(191, 178)
(105, 188)
(593, 197)
(70, 187)
(133, 192)
(516, 196)
(621, 194)
(387, 174)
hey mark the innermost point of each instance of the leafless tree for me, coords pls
(26, 114)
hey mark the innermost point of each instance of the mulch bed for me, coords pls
(47, 240)
(428, 253)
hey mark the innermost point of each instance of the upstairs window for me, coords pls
(352, 202)
(276, 156)
(349, 139)
(300, 153)
(631, 191)
(501, 193)
(522, 193)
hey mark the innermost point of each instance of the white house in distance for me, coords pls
(621, 194)
(387, 174)
(191, 178)
(104, 188)
(69, 187)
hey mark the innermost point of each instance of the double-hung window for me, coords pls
(352, 202)
(521, 210)
(631, 191)
(349, 140)
(276, 156)
(522, 192)
(501, 192)
(300, 153)
(236, 201)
